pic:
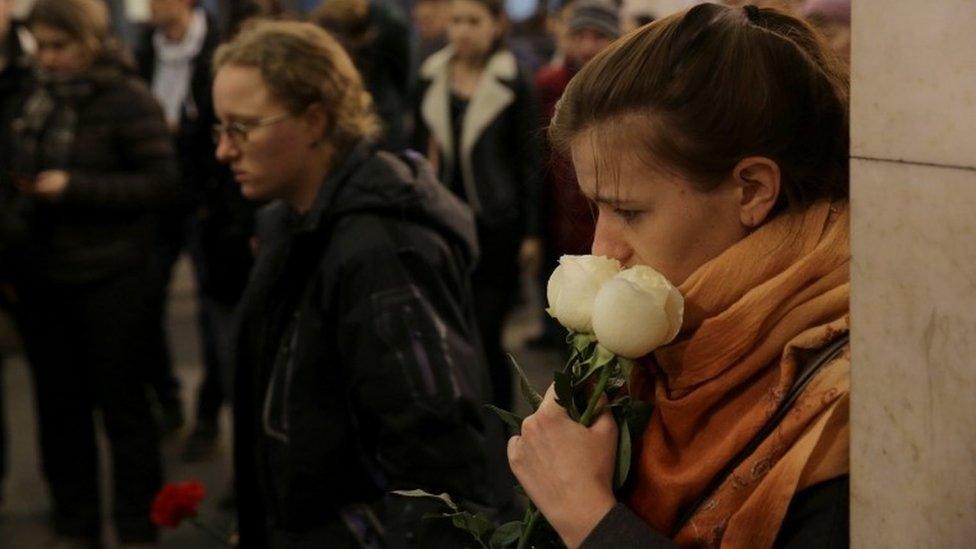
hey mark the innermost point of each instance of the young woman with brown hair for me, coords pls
(479, 123)
(714, 143)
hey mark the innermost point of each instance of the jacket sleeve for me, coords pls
(414, 372)
(420, 139)
(816, 517)
(620, 528)
(528, 143)
(148, 175)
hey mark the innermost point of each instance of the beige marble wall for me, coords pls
(913, 189)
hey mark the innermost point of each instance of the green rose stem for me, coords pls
(532, 514)
(601, 385)
(586, 419)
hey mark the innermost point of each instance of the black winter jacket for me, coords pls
(358, 366)
(500, 149)
(121, 168)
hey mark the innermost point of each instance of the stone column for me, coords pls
(913, 187)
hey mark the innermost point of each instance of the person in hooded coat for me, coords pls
(358, 365)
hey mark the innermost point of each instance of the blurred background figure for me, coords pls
(234, 14)
(81, 277)
(635, 19)
(479, 122)
(568, 222)
(557, 18)
(430, 19)
(214, 222)
(833, 19)
(16, 46)
(377, 36)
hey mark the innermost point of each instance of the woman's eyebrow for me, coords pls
(611, 201)
(237, 116)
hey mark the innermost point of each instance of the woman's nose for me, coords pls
(226, 151)
(608, 240)
(46, 60)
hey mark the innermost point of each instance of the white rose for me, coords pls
(636, 312)
(573, 287)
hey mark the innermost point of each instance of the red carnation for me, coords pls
(177, 501)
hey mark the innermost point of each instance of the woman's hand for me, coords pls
(49, 185)
(565, 468)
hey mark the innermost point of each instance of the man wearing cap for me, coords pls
(569, 226)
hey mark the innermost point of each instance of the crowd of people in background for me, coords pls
(117, 159)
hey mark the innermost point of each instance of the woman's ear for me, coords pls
(317, 122)
(759, 179)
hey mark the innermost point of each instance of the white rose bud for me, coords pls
(573, 287)
(636, 312)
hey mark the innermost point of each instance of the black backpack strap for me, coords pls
(808, 369)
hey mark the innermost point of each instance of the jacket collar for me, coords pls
(491, 97)
(20, 48)
(325, 199)
(146, 50)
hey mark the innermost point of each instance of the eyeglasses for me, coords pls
(237, 132)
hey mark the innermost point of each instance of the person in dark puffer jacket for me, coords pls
(93, 155)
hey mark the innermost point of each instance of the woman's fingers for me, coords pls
(605, 423)
(512, 449)
(565, 468)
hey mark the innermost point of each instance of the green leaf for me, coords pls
(621, 403)
(637, 414)
(519, 491)
(512, 419)
(506, 534)
(602, 356)
(582, 342)
(623, 457)
(476, 525)
(530, 394)
(422, 494)
(563, 385)
(582, 376)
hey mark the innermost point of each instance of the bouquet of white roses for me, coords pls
(614, 316)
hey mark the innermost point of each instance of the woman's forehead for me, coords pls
(615, 166)
(241, 91)
(469, 7)
(49, 33)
